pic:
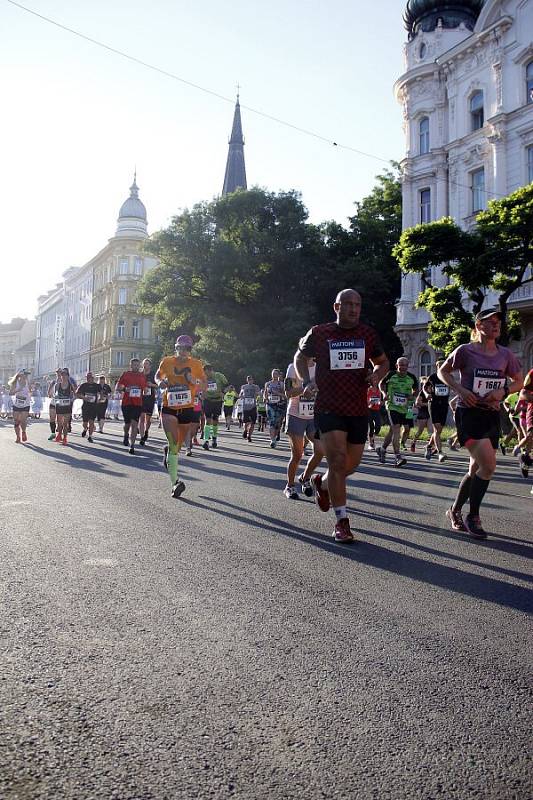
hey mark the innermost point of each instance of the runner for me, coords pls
(148, 401)
(64, 394)
(52, 405)
(88, 392)
(276, 405)
(344, 351)
(19, 390)
(36, 404)
(526, 442)
(374, 402)
(102, 402)
(132, 383)
(483, 367)
(249, 393)
(180, 377)
(212, 404)
(261, 414)
(397, 387)
(438, 396)
(229, 400)
(422, 421)
(301, 425)
(114, 403)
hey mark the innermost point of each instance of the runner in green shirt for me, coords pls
(212, 402)
(230, 398)
(398, 387)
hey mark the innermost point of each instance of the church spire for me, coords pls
(235, 177)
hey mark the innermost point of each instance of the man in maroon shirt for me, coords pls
(344, 351)
(132, 383)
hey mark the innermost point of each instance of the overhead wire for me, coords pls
(222, 97)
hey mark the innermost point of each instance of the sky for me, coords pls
(78, 119)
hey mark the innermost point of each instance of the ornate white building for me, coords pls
(467, 97)
(90, 320)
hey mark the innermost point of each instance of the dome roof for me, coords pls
(133, 207)
(424, 15)
(132, 222)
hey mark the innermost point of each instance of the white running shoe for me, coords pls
(442, 458)
(290, 493)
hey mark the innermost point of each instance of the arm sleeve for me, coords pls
(307, 344)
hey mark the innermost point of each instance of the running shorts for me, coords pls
(213, 408)
(275, 414)
(423, 413)
(64, 411)
(396, 417)
(529, 418)
(101, 408)
(250, 415)
(300, 427)
(355, 427)
(374, 420)
(438, 413)
(228, 411)
(21, 410)
(131, 414)
(88, 412)
(148, 405)
(185, 417)
(409, 422)
(475, 423)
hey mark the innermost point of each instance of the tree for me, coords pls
(237, 273)
(361, 257)
(494, 258)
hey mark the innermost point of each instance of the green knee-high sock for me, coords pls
(214, 428)
(207, 432)
(172, 461)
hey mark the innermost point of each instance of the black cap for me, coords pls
(488, 312)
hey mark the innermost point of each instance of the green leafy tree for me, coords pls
(495, 257)
(237, 273)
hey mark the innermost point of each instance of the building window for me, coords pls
(122, 297)
(476, 111)
(478, 190)
(423, 133)
(123, 266)
(138, 265)
(135, 329)
(426, 367)
(119, 358)
(120, 329)
(423, 50)
(529, 82)
(425, 205)
(135, 355)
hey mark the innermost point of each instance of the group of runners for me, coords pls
(331, 399)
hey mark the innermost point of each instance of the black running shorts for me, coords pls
(475, 423)
(438, 413)
(88, 412)
(185, 417)
(396, 417)
(213, 408)
(355, 427)
(131, 413)
(148, 405)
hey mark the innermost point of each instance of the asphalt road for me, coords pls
(224, 646)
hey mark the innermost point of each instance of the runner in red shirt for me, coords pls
(345, 351)
(132, 383)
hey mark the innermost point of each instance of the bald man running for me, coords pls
(344, 351)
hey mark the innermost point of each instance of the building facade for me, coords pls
(119, 332)
(90, 320)
(17, 347)
(467, 98)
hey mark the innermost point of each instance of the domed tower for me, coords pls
(426, 15)
(132, 222)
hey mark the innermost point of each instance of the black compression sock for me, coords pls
(53, 427)
(463, 493)
(477, 493)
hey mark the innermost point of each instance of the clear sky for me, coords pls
(77, 119)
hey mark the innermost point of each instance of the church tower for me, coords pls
(235, 177)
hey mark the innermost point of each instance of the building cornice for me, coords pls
(473, 43)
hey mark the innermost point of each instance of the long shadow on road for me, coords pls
(456, 580)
